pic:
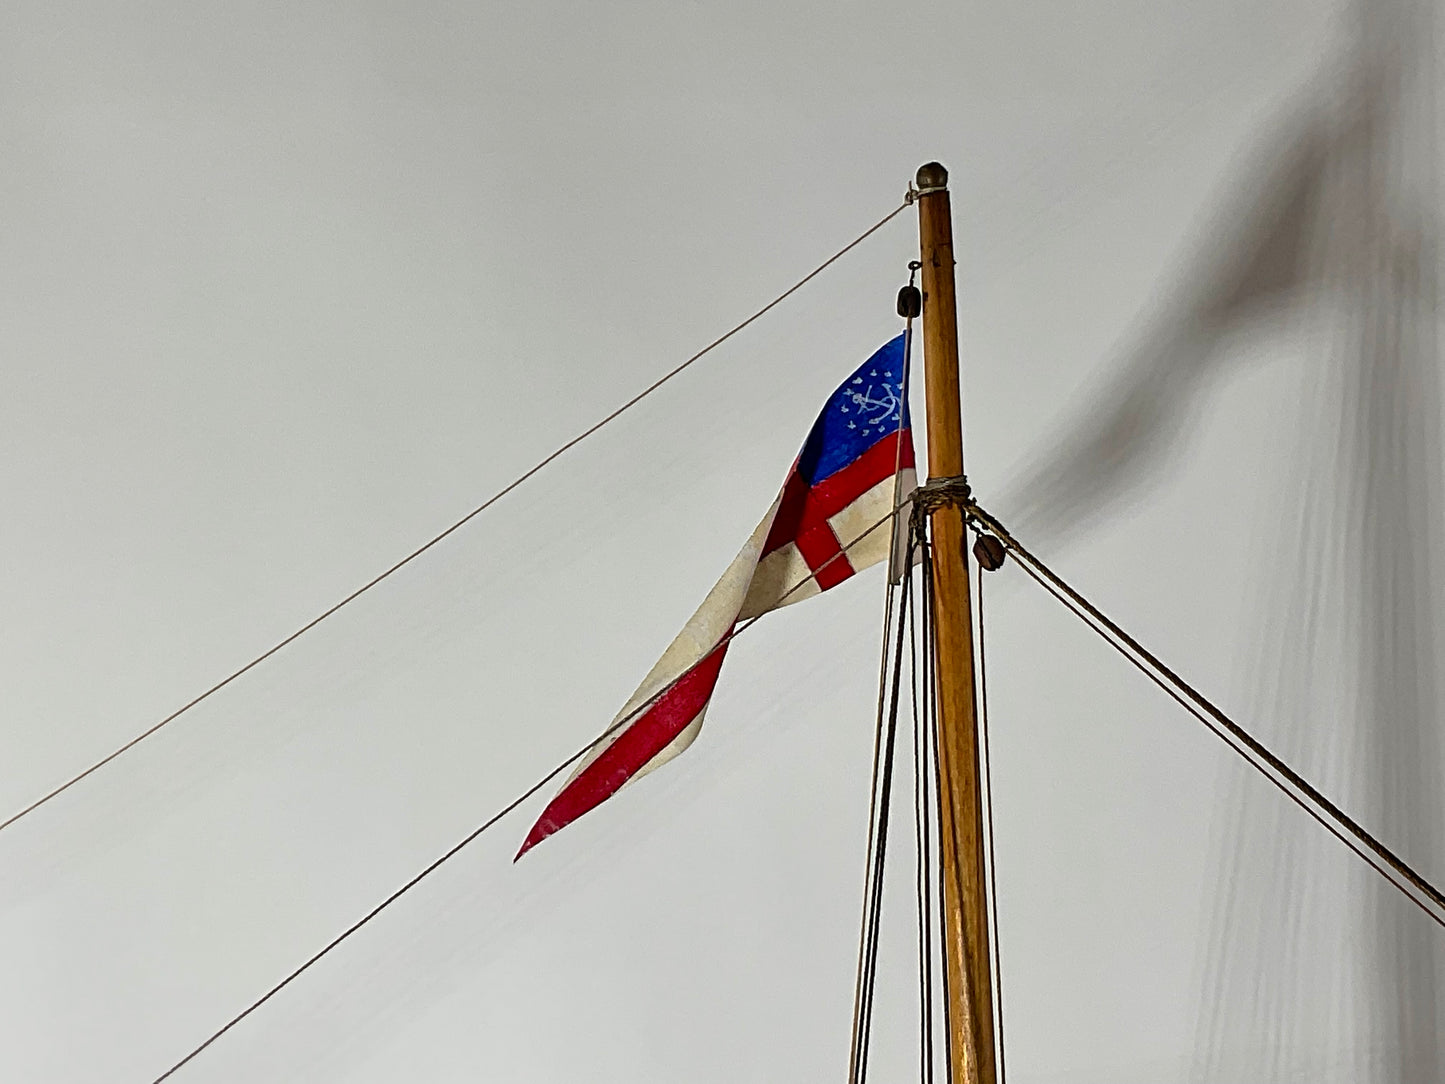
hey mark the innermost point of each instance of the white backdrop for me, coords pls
(286, 288)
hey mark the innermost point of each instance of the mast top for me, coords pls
(932, 177)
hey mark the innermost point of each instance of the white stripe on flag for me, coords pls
(853, 523)
(713, 620)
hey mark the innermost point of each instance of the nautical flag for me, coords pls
(829, 521)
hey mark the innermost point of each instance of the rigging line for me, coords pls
(885, 806)
(737, 631)
(879, 806)
(1320, 817)
(930, 677)
(1324, 811)
(855, 1072)
(987, 748)
(1323, 820)
(922, 844)
(525, 476)
(888, 596)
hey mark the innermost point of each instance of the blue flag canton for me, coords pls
(866, 408)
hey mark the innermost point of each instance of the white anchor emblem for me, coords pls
(886, 404)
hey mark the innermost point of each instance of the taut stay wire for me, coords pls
(525, 476)
(1254, 753)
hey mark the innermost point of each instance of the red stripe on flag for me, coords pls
(841, 488)
(804, 509)
(791, 506)
(824, 555)
(638, 743)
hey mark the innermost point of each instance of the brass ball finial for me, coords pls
(932, 175)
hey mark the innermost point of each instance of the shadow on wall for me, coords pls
(1307, 202)
(1306, 977)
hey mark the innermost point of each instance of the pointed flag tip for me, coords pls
(540, 831)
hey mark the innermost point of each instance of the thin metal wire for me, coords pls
(880, 852)
(987, 751)
(1284, 778)
(493, 499)
(922, 725)
(856, 1069)
(930, 676)
(741, 627)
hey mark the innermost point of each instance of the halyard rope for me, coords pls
(986, 756)
(923, 722)
(867, 933)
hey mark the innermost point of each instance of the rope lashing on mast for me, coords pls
(939, 493)
(521, 479)
(1403, 877)
(956, 493)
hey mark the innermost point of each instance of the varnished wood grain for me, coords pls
(967, 966)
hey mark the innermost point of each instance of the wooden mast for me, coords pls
(968, 978)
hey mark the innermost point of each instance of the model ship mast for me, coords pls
(968, 979)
